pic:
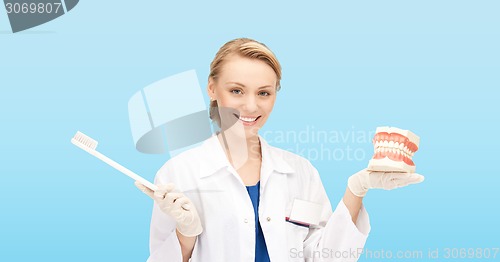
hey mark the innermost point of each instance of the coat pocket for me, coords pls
(296, 235)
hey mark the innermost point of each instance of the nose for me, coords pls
(251, 104)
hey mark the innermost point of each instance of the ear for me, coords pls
(211, 88)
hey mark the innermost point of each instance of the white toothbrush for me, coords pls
(88, 144)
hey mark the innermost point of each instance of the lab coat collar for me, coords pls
(272, 158)
(215, 160)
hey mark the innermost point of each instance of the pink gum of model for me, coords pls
(394, 150)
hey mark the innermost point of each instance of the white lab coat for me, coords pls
(206, 177)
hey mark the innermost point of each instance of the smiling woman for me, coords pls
(258, 67)
(249, 201)
(248, 86)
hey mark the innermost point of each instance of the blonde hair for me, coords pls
(244, 47)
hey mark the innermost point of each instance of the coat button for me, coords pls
(246, 220)
(268, 219)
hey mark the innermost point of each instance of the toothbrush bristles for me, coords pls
(85, 140)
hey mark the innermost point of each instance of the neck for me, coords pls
(240, 149)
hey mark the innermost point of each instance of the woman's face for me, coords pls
(247, 86)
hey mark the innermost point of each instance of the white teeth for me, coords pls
(380, 146)
(248, 119)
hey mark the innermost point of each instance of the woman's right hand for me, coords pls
(176, 205)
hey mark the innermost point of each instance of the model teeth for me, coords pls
(393, 147)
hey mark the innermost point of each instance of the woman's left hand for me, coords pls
(364, 180)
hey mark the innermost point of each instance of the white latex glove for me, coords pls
(176, 205)
(364, 180)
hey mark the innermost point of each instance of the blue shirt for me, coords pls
(261, 254)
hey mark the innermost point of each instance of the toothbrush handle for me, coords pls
(118, 167)
(124, 170)
(129, 173)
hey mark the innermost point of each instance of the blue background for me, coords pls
(428, 66)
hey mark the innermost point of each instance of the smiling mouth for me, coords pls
(247, 120)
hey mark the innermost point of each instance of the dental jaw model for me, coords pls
(394, 149)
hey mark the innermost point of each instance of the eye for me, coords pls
(236, 91)
(264, 93)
